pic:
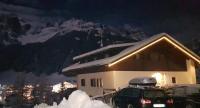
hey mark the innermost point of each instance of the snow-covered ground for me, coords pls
(78, 99)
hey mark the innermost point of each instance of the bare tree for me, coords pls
(41, 91)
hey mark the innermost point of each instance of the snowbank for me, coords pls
(78, 99)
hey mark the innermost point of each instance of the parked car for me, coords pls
(193, 101)
(185, 96)
(141, 97)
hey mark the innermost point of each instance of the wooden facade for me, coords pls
(160, 57)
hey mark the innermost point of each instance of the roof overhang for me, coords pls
(133, 50)
(167, 38)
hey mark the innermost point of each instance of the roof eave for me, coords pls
(153, 41)
(197, 58)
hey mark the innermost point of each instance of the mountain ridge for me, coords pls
(32, 40)
(44, 44)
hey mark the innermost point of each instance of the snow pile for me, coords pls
(78, 99)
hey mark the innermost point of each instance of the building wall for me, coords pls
(107, 82)
(191, 70)
(121, 78)
(118, 79)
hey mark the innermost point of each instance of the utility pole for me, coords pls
(101, 34)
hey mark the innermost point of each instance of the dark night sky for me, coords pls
(180, 18)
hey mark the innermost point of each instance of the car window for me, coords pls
(130, 92)
(178, 91)
(154, 93)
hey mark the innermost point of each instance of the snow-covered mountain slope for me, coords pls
(36, 26)
(29, 21)
(57, 30)
(37, 41)
(79, 25)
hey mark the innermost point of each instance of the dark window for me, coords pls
(82, 82)
(97, 82)
(173, 80)
(93, 82)
(101, 82)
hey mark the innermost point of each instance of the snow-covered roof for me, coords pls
(129, 50)
(104, 49)
(109, 59)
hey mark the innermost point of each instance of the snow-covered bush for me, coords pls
(78, 99)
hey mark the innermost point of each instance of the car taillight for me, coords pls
(145, 101)
(170, 101)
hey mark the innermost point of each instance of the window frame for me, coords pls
(83, 82)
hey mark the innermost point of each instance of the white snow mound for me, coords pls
(78, 99)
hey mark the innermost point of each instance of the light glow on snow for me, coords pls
(78, 99)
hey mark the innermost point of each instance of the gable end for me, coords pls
(165, 37)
